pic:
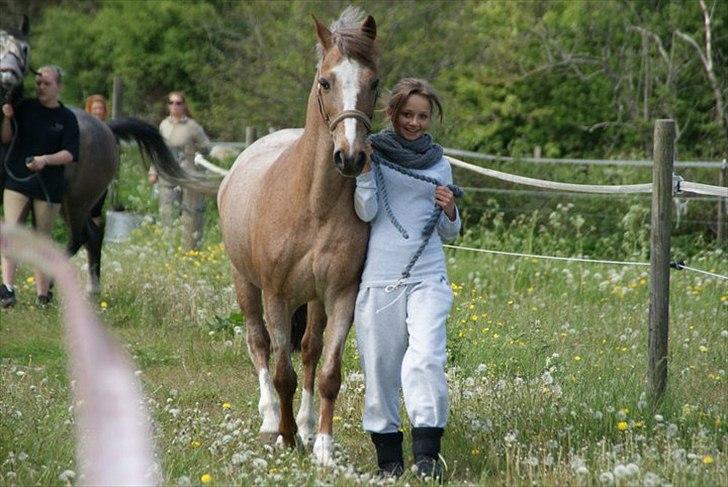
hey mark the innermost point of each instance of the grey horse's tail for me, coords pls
(154, 148)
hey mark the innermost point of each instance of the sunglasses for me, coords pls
(170, 102)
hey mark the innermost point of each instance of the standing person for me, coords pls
(184, 136)
(405, 298)
(43, 136)
(96, 105)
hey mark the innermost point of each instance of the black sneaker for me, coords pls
(45, 300)
(7, 297)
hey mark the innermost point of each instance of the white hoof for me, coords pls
(323, 449)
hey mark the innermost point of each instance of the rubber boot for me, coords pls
(426, 450)
(389, 453)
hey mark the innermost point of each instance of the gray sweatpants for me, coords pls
(401, 339)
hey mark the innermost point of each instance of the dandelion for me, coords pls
(195, 444)
(226, 405)
(606, 478)
(620, 471)
(708, 460)
(703, 348)
(622, 426)
(31, 280)
(577, 358)
(206, 479)
(103, 304)
(67, 476)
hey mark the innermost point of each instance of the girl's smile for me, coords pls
(414, 118)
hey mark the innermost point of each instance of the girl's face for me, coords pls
(98, 110)
(413, 119)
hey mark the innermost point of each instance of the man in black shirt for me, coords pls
(43, 137)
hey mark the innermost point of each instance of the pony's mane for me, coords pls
(348, 36)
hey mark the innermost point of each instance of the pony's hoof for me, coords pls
(269, 437)
(323, 449)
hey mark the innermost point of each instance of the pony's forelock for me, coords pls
(347, 35)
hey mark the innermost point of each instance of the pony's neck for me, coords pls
(316, 165)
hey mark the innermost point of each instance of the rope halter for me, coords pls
(333, 122)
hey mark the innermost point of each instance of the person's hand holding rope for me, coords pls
(37, 163)
(445, 199)
(8, 110)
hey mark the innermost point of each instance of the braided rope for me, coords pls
(429, 227)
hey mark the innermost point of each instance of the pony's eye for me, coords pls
(375, 85)
(324, 83)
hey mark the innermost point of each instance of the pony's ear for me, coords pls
(323, 34)
(369, 27)
(25, 25)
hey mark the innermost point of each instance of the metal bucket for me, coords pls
(119, 225)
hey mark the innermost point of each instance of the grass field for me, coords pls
(546, 369)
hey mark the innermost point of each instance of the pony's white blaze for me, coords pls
(347, 73)
(306, 418)
(268, 405)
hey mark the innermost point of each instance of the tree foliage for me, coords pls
(578, 78)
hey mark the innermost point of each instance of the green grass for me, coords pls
(547, 362)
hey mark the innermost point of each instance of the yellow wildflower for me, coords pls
(708, 460)
(30, 280)
(195, 444)
(206, 479)
(622, 426)
(226, 405)
(577, 358)
(103, 304)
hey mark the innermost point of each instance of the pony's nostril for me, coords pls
(337, 158)
(361, 158)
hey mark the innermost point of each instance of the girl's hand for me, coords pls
(445, 199)
(8, 110)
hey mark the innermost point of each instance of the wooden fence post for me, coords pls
(722, 182)
(251, 134)
(117, 110)
(662, 188)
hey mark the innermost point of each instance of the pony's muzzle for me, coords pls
(350, 165)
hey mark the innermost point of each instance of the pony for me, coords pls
(87, 178)
(289, 228)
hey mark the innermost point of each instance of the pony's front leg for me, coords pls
(258, 341)
(278, 320)
(340, 313)
(311, 347)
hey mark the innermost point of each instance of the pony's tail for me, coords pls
(153, 147)
(298, 327)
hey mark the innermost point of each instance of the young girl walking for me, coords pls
(407, 195)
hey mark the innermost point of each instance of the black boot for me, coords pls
(426, 450)
(389, 453)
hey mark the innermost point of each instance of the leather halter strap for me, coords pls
(333, 122)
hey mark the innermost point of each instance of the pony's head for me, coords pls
(14, 51)
(347, 83)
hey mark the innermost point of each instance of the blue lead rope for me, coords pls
(429, 227)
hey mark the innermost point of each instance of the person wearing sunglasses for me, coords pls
(184, 136)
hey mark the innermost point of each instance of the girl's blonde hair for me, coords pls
(407, 87)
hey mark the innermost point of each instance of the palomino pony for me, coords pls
(87, 178)
(288, 224)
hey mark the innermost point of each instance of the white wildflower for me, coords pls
(606, 478)
(67, 476)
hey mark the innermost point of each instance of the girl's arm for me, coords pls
(449, 224)
(365, 196)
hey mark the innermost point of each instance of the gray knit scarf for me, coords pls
(411, 154)
(406, 157)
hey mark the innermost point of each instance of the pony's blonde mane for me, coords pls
(351, 40)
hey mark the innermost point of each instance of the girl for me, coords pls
(404, 298)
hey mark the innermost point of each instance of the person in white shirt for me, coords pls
(407, 195)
